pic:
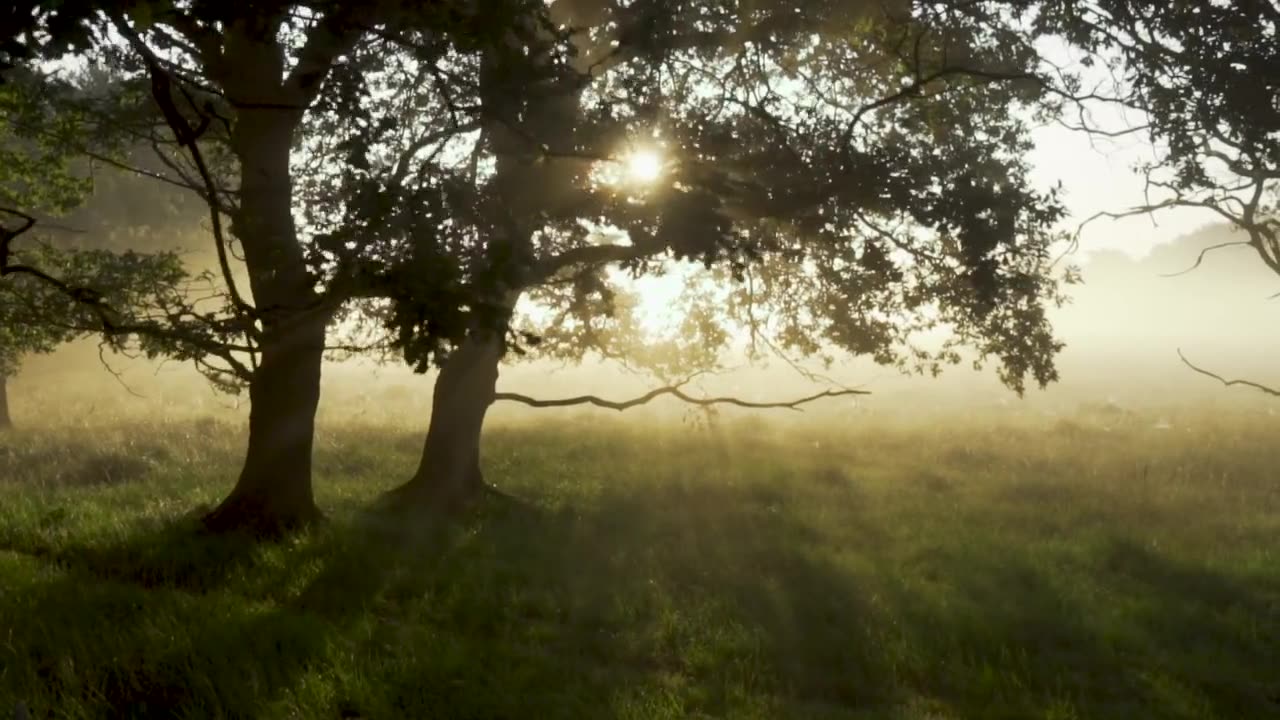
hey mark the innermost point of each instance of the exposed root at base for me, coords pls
(251, 518)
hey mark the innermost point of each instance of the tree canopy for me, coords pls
(852, 174)
(873, 190)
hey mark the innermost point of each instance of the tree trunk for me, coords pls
(448, 477)
(6, 422)
(274, 494)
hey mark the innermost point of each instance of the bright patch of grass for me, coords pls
(1085, 568)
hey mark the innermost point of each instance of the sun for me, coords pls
(644, 166)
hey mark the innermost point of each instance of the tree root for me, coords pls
(245, 515)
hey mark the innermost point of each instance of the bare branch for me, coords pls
(188, 137)
(673, 391)
(1247, 383)
(1206, 251)
(119, 376)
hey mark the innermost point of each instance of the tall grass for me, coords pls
(1104, 565)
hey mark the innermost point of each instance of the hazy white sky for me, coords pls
(1097, 173)
(1098, 176)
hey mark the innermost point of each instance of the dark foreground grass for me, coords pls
(1048, 570)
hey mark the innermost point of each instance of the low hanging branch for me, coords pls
(82, 295)
(676, 392)
(188, 136)
(109, 320)
(1246, 383)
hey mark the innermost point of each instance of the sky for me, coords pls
(1097, 172)
(1097, 177)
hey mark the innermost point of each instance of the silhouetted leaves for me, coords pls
(862, 164)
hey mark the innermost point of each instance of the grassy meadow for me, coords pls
(1106, 564)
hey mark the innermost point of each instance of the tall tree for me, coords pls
(857, 168)
(858, 165)
(234, 84)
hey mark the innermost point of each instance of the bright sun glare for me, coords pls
(644, 166)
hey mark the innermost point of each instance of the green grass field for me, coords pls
(1093, 567)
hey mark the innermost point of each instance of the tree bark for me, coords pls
(6, 422)
(448, 478)
(273, 494)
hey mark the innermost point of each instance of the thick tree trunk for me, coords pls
(6, 422)
(448, 477)
(274, 494)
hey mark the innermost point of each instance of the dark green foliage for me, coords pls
(36, 317)
(454, 157)
(101, 256)
(89, 287)
(796, 140)
(35, 172)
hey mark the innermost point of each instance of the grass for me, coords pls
(1092, 567)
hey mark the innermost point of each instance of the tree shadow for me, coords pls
(172, 554)
(597, 607)
(681, 598)
(1010, 638)
(169, 620)
(728, 588)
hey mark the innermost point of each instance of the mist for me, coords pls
(641, 360)
(1123, 327)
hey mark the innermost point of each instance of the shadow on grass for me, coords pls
(682, 600)
(167, 622)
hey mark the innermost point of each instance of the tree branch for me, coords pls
(82, 295)
(674, 391)
(1206, 251)
(588, 255)
(331, 37)
(1247, 383)
(206, 42)
(188, 137)
(94, 301)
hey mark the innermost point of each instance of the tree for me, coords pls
(858, 166)
(233, 84)
(32, 176)
(39, 307)
(855, 168)
(1205, 76)
(58, 284)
